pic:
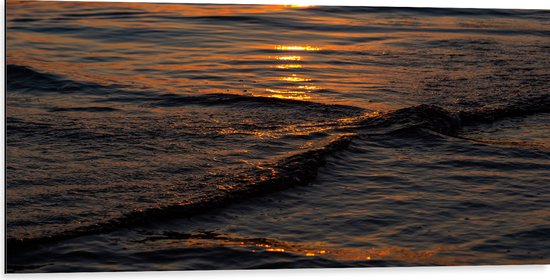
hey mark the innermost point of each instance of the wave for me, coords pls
(415, 118)
(27, 78)
(299, 169)
(261, 21)
(518, 108)
(437, 119)
(296, 170)
(170, 100)
(427, 116)
(302, 168)
(429, 11)
(92, 109)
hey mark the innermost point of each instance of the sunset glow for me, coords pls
(289, 66)
(291, 57)
(294, 97)
(309, 88)
(297, 48)
(295, 78)
(285, 91)
(302, 4)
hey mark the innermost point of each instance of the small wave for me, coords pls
(518, 108)
(412, 120)
(238, 19)
(105, 15)
(416, 118)
(424, 116)
(170, 100)
(428, 11)
(292, 171)
(28, 79)
(85, 109)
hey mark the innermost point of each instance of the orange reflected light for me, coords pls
(294, 97)
(332, 252)
(308, 88)
(301, 4)
(292, 57)
(295, 78)
(289, 66)
(297, 48)
(279, 250)
(284, 91)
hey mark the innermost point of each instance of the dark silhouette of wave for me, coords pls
(299, 169)
(26, 78)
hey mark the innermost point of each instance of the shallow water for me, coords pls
(162, 137)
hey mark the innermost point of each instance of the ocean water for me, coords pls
(178, 136)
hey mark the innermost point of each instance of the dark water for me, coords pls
(167, 137)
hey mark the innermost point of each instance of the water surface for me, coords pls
(174, 136)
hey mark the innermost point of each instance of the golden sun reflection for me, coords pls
(301, 4)
(294, 91)
(308, 88)
(284, 91)
(297, 48)
(288, 94)
(280, 250)
(330, 251)
(294, 78)
(289, 66)
(294, 97)
(291, 57)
